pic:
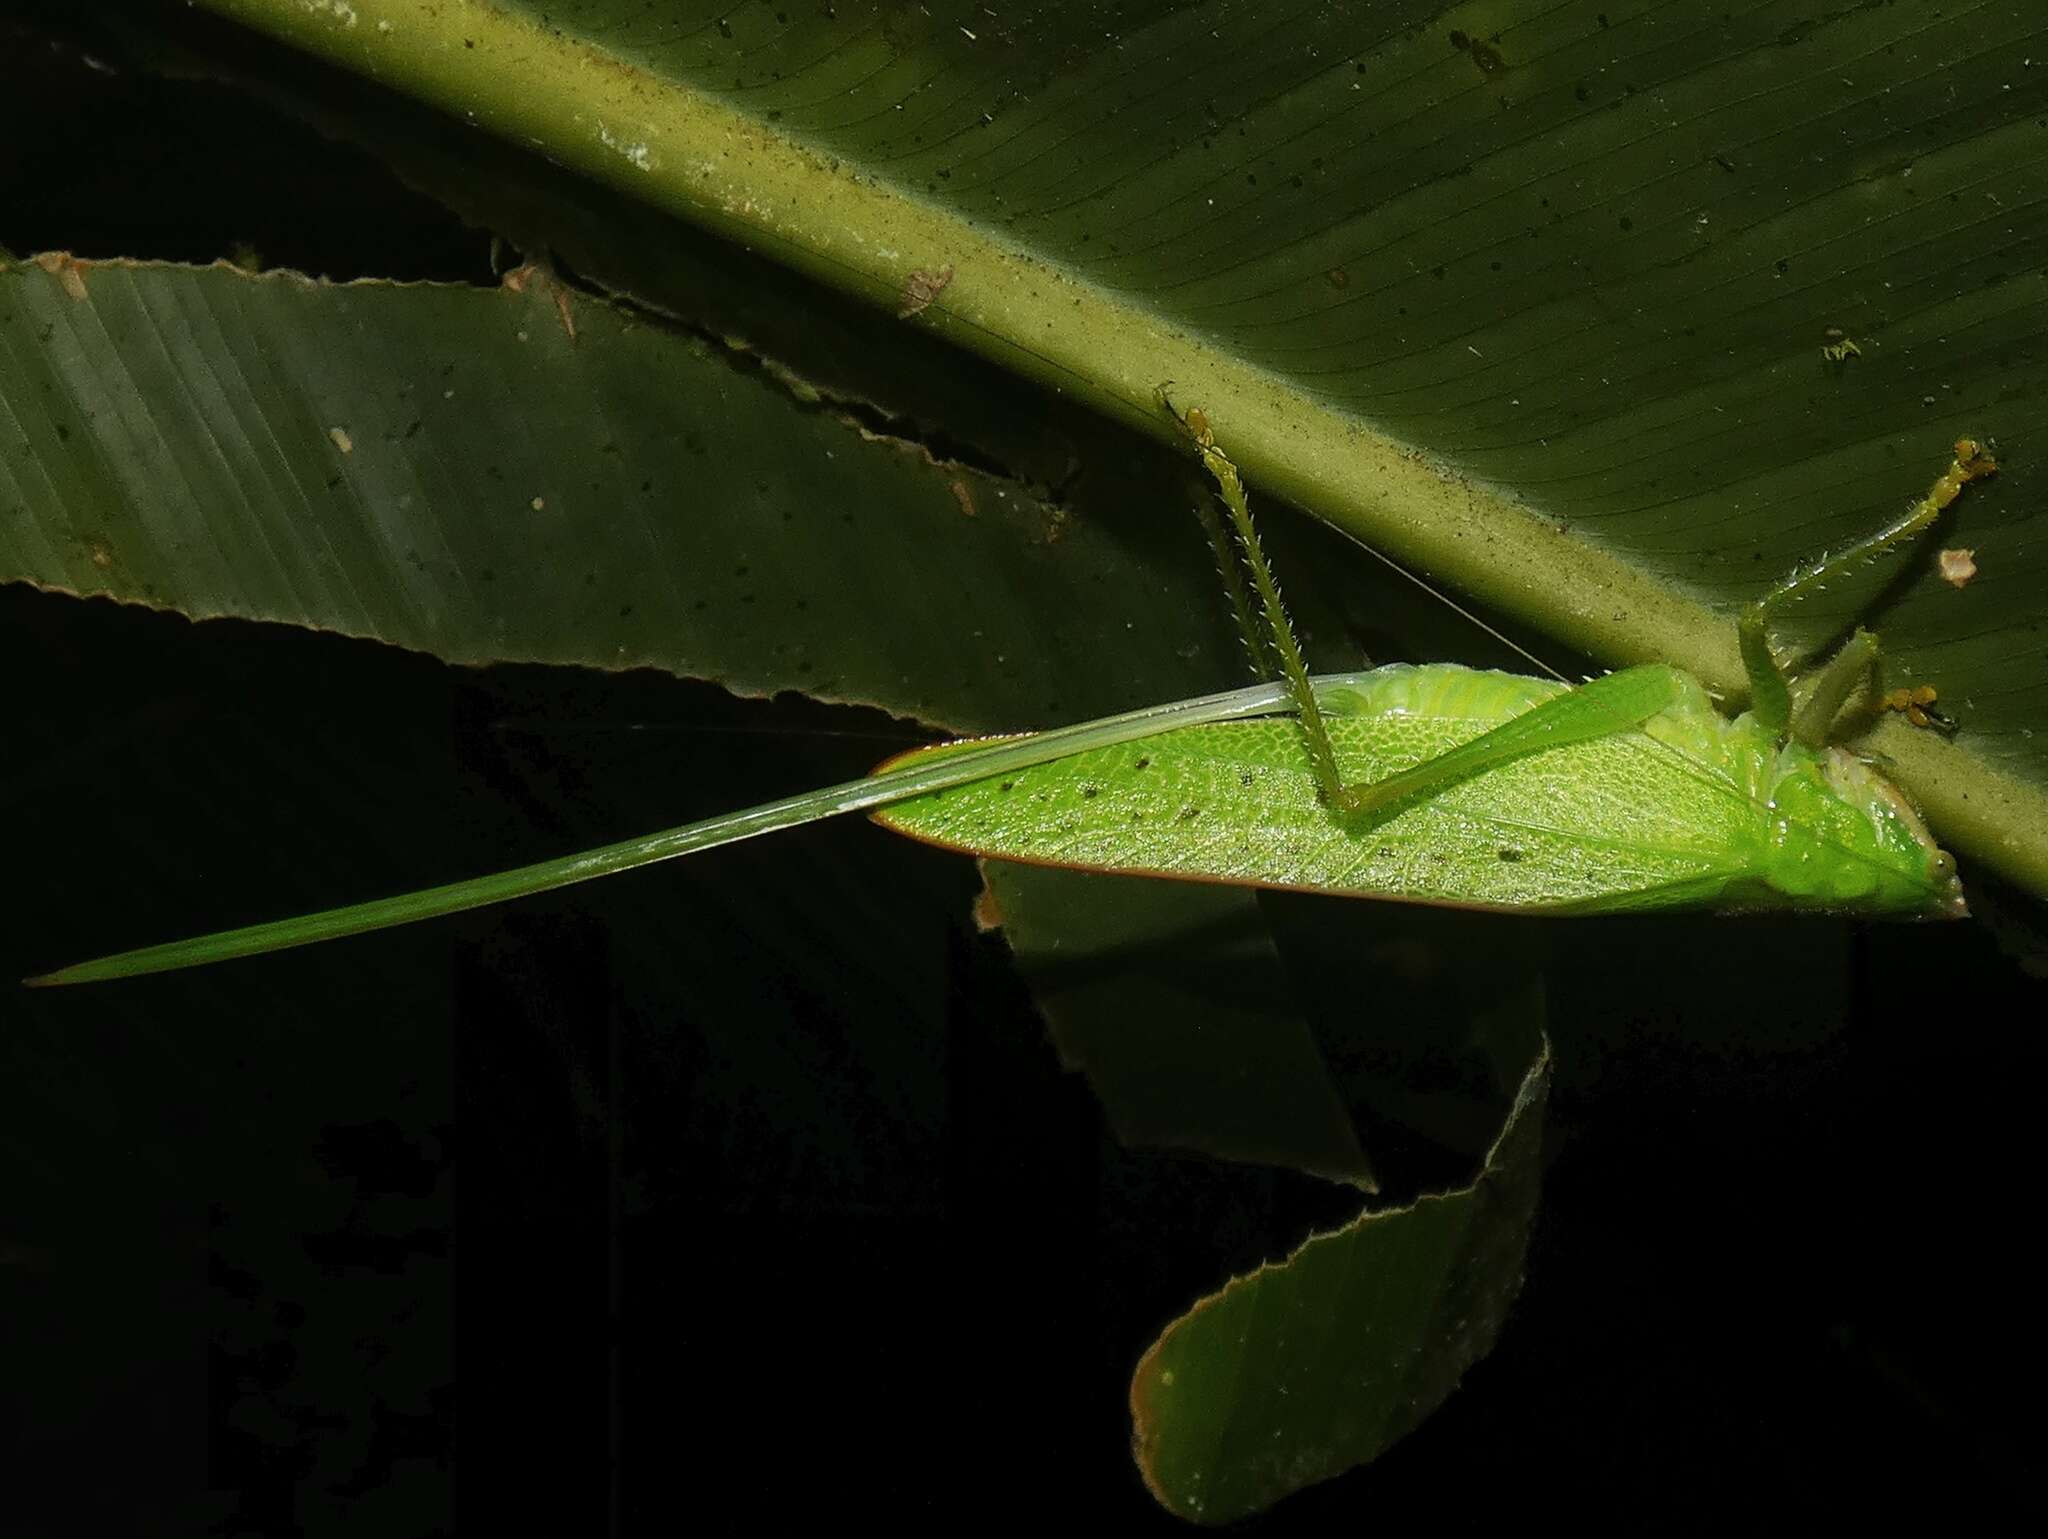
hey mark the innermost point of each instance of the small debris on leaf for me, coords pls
(1840, 347)
(922, 287)
(1916, 704)
(988, 909)
(66, 269)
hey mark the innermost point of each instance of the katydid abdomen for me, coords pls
(1686, 810)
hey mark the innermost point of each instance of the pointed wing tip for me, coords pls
(78, 972)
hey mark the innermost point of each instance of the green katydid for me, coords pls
(1471, 788)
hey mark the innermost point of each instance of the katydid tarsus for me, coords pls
(1429, 783)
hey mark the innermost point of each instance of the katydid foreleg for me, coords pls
(1770, 688)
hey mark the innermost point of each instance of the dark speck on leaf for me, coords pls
(1091, 792)
(1144, 764)
(1510, 854)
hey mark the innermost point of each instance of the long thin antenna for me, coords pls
(1456, 608)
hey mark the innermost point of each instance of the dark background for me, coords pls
(588, 1217)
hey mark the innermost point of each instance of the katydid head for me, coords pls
(1846, 838)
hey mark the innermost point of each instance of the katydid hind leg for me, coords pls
(1230, 568)
(1615, 703)
(1609, 705)
(1285, 649)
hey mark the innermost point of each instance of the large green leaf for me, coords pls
(525, 476)
(1457, 278)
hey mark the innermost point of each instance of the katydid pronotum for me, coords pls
(1434, 784)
